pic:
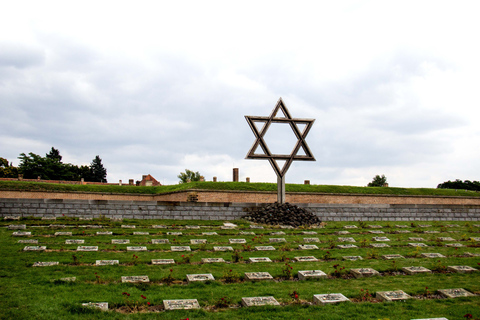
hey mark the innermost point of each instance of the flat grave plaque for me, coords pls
(262, 259)
(346, 246)
(17, 227)
(307, 247)
(96, 305)
(278, 233)
(415, 270)
(424, 225)
(455, 293)
(200, 277)
(446, 239)
(259, 301)
(364, 272)
(306, 259)
(35, 248)
(229, 224)
(258, 276)
(209, 234)
(431, 231)
(461, 269)
(432, 319)
(87, 248)
(392, 256)
(469, 254)
(49, 218)
(21, 234)
(174, 233)
(106, 262)
(120, 241)
(329, 298)
(227, 227)
(63, 233)
(416, 239)
(85, 218)
(476, 225)
(213, 260)
(343, 232)
(380, 239)
(256, 227)
(454, 245)
(350, 226)
(11, 218)
(158, 226)
(392, 295)
(135, 279)
(375, 226)
(432, 255)
(91, 226)
(232, 241)
(379, 245)
(181, 304)
(160, 241)
(264, 248)
(376, 231)
(45, 264)
(57, 226)
(137, 248)
(286, 227)
(224, 248)
(311, 274)
(128, 226)
(310, 240)
(417, 244)
(309, 232)
(34, 241)
(402, 231)
(352, 258)
(452, 226)
(163, 261)
(474, 239)
(247, 233)
(198, 241)
(74, 241)
(192, 227)
(180, 248)
(141, 233)
(68, 279)
(401, 226)
(104, 233)
(276, 240)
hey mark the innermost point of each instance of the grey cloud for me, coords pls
(20, 56)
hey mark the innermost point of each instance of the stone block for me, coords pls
(255, 276)
(135, 279)
(259, 301)
(181, 304)
(364, 272)
(261, 259)
(106, 262)
(311, 274)
(322, 299)
(163, 261)
(200, 277)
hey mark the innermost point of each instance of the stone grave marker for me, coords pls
(160, 241)
(87, 248)
(180, 248)
(252, 276)
(192, 227)
(34, 241)
(104, 233)
(213, 260)
(431, 231)
(402, 231)
(45, 264)
(126, 226)
(261, 259)
(17, 227)
(232, 241)
(461, 269)
(286, 227)
(452, 226)
(200, 277)
(417, 244)
(11, 218)
(350, 226)
(375, 226)
(323, 299)
(63, 233)
(446, 239)
(401, 226)
(379, 245)
(306, 259)
(259, 301)
(264, 248)
(432, 255)
(307, 247)
(181, 304)
(106, 262)
(21, 234)
(346, 246)
(343, 232)
(309, 232)
(352, 258)
(255, 227)
(222, 248)
(474, 239)
(120, 241)
(57, 226)
(158, 226)
(476, 225)
(68, 279)
(135, 279)
(310, 240)
(278, 233)
(392, 256)
(432, 319)
(415, 270)
(424, 225)
(376, 231)
(141, 233)
(455, 293)
(416, 239)
(174, 233)
(469, 254)
(247, 233)
(311, 274)
(96, 305)
(163, 261)
(364, 272)
(198, 241)
(137, 248)
(380, 239)
(229, 224)
(392, 295)
(454, 245)
(49, 218)
(35, 248)
(74, 241)
(276, 240)
(209, 234)
(227, 227)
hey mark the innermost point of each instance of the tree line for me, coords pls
(51, 167)
(461, 185)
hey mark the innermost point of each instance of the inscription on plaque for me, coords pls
(455, 245)
(346, 239)
(192, 227)
(278, 233)
(375, 226)
(258, 276)
(209, 233)
(180, 248)
(455, 293)
(141, 233)
(351, 226)
(160, 241)
(237, 241)
(346, 246)
(198, 241)
(158, 226)
(181, 304)
(22, 234)
(306, 259)
(310, 240)
(392, 256)
(17, 226)
(416, 239)
(364, 272)
(120, 241)
(134, 279)
(163, 261)
(35, 248)
(307, 247)
(392, 295)
(87, 248)
(45, 264)
(329, 298)
(264, 248)
(352, 258)
(259, 301)
(212, 260)
(461, 269)
(376, 231)
(104, 233)
(432, 255)
(137, 248)
(106, 262)
(255, 227)
(415, 270)
(222, 248)
(417, 244)
(63, 233)
(128, 226)
(402, 231)
(343, 232)
(381, 239)
(174, 233)
(309, 232)
(311, 274)
(262, 259)
(96, 305)
(200, 277)
(34, 241)
(275, 240)
(379, 245)
(74, 241)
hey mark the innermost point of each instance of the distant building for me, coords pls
(148, 181)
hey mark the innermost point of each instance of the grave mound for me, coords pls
(282, 214)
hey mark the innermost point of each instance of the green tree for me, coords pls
(31, 165)
(7, 170)
(98, 172)
(188, 176)
(378, 181)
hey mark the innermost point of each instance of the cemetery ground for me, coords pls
(59, 291)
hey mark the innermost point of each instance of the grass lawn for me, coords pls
(30, 292)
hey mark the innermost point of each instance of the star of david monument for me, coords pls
(260, 150)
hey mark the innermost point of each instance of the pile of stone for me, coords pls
(281, 214)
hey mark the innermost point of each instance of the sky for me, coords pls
(157, 87)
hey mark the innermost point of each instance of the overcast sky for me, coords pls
(155, 87)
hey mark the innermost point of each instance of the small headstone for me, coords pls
(137, 248)
(87, 248)
(181, 304)
(35, 248)
(158, 226)
(402, 231)
(258, 276)
(286, 227)
(474, 239)
(432, 255)
(128, 226)
(134, 279)
(417, 244)
(163, 261)
(232, 241)
(160, 241)
(259, 301)
(380, 239)
(392, 295)
(329, 298)
(276, 240)
(104, 233)
(307, 247)
(416, 239)
(180, 248)
(346, 246)
(198, 241)
(17, 227)
(461, 269)
(68, 279)
(392, 256)
(343, 232)
(364, 272)
(141, 233)
(45, 264)
(306, 259)
(74, 241)
(311, 274)
(209, 234)
(375, 231)
(352, 258)
(96, 305)
(21, 234)
(310, 240)
(49, 218)
(192, 227)
(227, 227)
(247, 233)
(351, 226)
(278, 233)
(200, 277)
(264, 248)
(375, 226)
(452, 226)
(432, 319)
(229, 224)
(309, 232)
(255, 227)
(223, 248)
(446, 239)
(57, 226)
(106, 262)
(262, 259)
(424, 225)
(454, 245)
(213, 260)
(34, 241)
(11, 218)
(120, 241)
(174, 233)
(469, 254)
(455, 293)
(401, 226)
(63, 233)
(85, 218)
(431, 231)
(415, 270)
(379, 245)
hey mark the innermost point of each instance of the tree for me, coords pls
(7, 170)
(461, 185)
(98, 172)
(188, 176)
(378, 181)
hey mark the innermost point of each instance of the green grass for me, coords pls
(234, 186)
(31, 292)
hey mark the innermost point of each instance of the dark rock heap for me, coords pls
(281, 214)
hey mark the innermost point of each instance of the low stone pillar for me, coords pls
(248, 179)
(202, 178)
(130, 182)
(214, 179)
(235, 174)
(119, 182)
(82, 181)
(306, 182)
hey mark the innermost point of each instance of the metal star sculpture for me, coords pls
(272, 158)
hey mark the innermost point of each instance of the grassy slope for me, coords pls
(240, 186)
